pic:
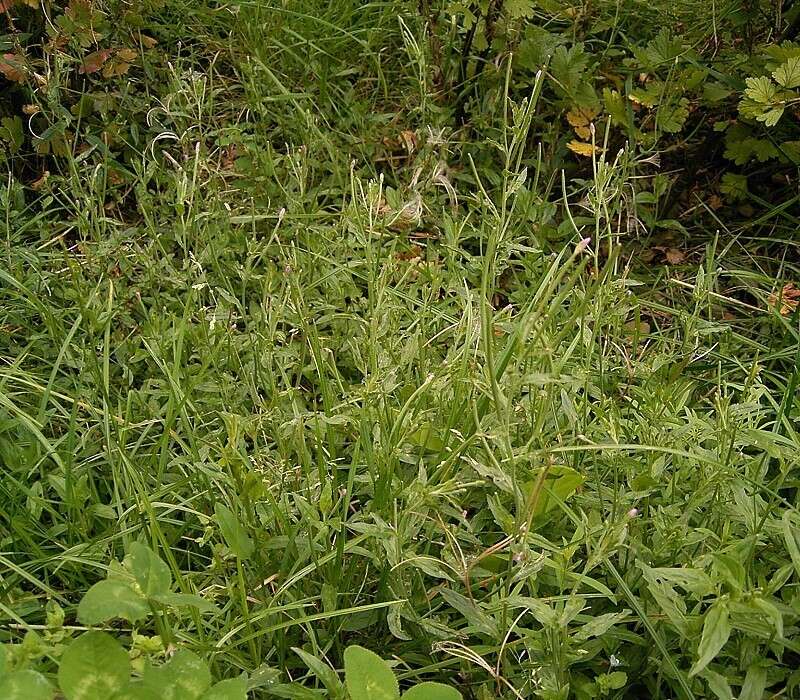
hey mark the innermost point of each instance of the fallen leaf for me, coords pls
(580, 119)
(31, 109)
(12, 66)
(583, 149)
(674, 256)
(36, 185)
(715, 202)
(789, 298)
(409, 139)
(147, 41)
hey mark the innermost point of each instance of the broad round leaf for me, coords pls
(25, 685)
(109, 599)
(184, 677)
(432, 691)
(93, 667)
(368, 676)
(230, 689)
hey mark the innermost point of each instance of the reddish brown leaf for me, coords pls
(12, 66)
(94, 61)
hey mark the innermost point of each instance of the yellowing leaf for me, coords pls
(583, 149)
(147, 41)
(127, 55)
(580, 119)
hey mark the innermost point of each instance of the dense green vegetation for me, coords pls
(461, 333)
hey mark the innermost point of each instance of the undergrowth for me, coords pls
(463, 334)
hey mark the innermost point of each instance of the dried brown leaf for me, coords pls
(674, 256)
(788, 298)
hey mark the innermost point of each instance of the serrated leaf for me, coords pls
(368, 676)
(580, 119)
(109, 599)
(432, 691)
(761, 90)
(517, 9)
(94, 667)
(237, 539)
(672, 116)
(788, 73)
(150, 572)
(716, 631)
(734, 186)
(25, 685)
(585, 150)
(229, 689)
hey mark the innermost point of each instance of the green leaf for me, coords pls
(672, 115)
(432, 691)
(475, 616)
(734, 186)
(184, 677)
(788, 74)
(560, 484)
(518, 9)
(180, 600)
(237, 539)
(761, 90)
(11, 131)
(93, 667)
(3, 663)
(718, 684)
(329, 677)
(150, 572)
(755, 682)
(716, 630)
(230, 689)
(791, 535)
(109, 599)
(368, 676)
(25, 685)
(615, 106)
(730, 570)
